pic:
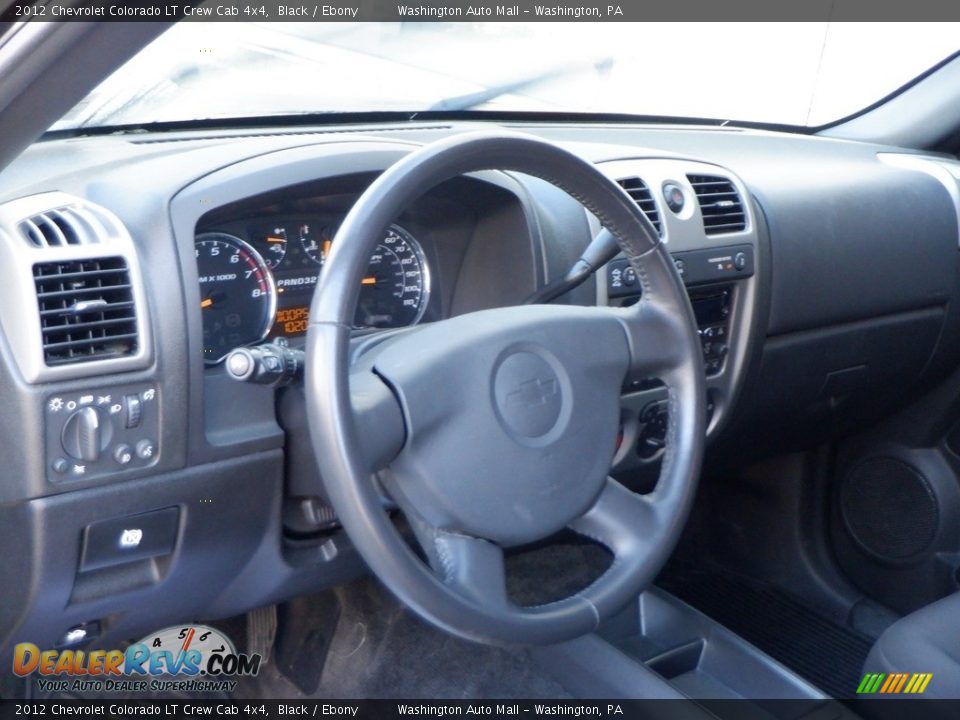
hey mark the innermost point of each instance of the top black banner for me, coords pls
(510, 11)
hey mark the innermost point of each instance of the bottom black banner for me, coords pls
(667, 709)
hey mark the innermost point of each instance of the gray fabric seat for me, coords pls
(926, 641)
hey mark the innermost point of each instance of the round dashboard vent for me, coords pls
(889, 508)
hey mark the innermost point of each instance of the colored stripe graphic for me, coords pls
(903, 681)
(921, 684)
(874, 683)
(894, 684)
(896, 681)
(910, 685)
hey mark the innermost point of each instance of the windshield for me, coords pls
(801, 74)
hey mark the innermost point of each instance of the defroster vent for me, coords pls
(87, 310)
(75, 224)
(720, 204)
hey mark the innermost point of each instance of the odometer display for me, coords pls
(238, 299)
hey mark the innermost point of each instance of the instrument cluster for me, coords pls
(257, 280)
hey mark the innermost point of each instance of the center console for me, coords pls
(705, 217)
(660, 648)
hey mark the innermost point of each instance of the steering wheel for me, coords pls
(497, 428)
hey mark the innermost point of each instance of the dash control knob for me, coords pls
(673, 194)
(85, 435)
(123, 454)
(146, 450)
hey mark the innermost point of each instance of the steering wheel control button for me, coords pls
(673, 194)
(128, 539)
(134, 410)
(146, 450)
(528, 395)
(123, 454)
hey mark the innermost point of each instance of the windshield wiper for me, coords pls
(473, 100)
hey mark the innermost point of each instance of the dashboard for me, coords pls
(799, 256)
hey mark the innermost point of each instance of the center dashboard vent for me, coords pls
(638, 190)
(720, 204)
(87, 310)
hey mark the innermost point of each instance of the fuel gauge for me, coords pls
(316, 244)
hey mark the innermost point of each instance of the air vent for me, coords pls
(640, 193)
(71, 225)
(720, 204)
(87, 310)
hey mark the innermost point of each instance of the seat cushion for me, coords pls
(927, 641)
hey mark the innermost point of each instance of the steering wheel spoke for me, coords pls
(621, 520)
(378, 418)
(656, 340)
(473, 567)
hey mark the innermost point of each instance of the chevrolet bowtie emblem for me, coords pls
(533, 392)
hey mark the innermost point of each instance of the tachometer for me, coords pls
(237, 294)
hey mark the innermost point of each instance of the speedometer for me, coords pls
(237, 295)
(396, 286)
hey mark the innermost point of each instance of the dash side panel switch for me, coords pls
(125, 539)
(134, 410)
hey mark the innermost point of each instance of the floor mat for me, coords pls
(827, 655)
(381, 650)
(358, 641)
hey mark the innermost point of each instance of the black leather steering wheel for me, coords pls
(497, 428)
